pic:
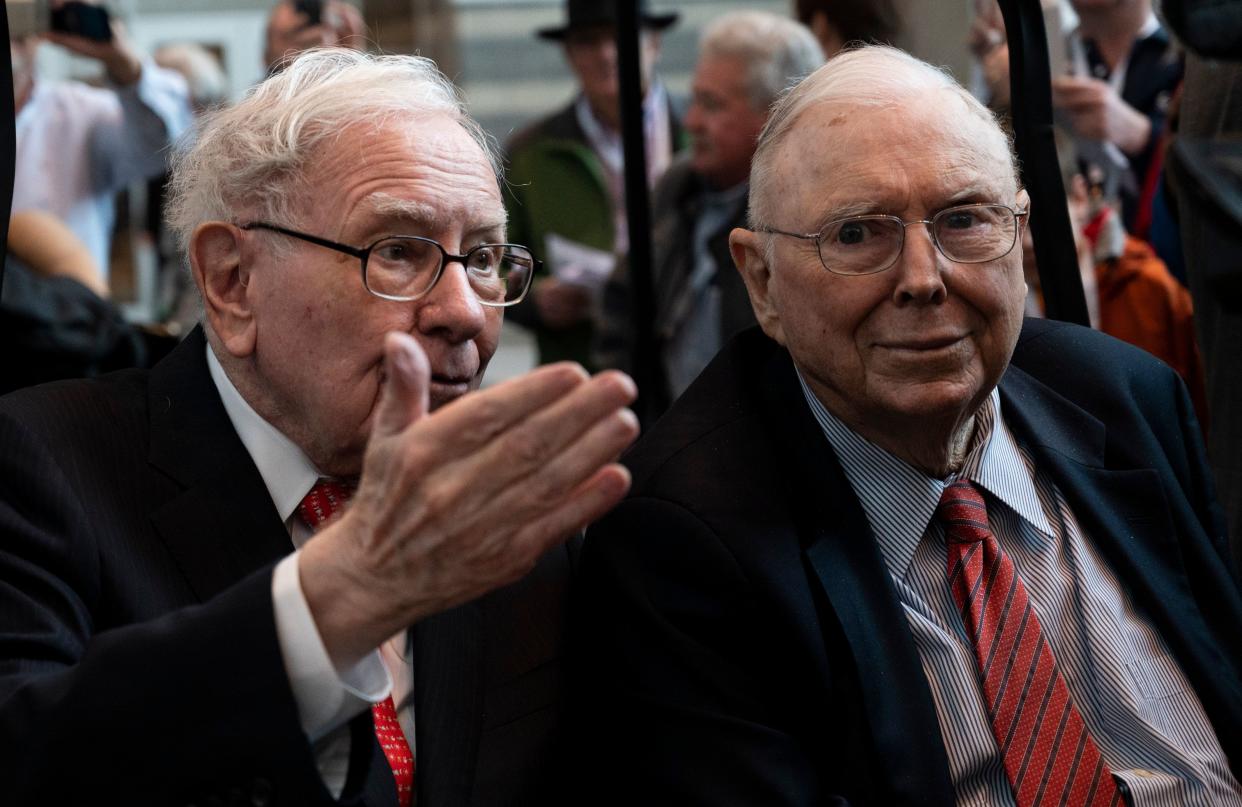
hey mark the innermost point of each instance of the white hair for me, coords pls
(251, 158)
(874, 76)
(776, 51)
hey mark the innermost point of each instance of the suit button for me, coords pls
(261, 793)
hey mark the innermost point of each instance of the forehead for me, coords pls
(924, 152)
(720, 73)
(429, 170)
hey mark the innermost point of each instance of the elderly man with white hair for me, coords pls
(161, 641)
(746, 59)
(897, 546)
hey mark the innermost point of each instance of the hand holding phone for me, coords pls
(82, 19)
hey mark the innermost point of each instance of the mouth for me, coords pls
(925, 344)
(448, 387)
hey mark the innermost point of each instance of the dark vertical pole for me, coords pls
(1030, 89)
(638, 214)
(8, 142)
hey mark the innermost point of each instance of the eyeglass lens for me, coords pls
(405, 268)
(968, 234)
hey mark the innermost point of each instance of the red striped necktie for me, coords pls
(324, 499)
(1049, 754)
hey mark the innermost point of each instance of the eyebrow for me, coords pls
(429, 218)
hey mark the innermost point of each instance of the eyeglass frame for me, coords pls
(364, 255)
(1018, 217)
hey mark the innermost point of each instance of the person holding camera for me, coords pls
(305, 24)
(77, 145)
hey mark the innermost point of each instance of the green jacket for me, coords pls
(556, 184)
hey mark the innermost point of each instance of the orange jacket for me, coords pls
(1141, 303)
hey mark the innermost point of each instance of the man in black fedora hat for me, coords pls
(566, 187)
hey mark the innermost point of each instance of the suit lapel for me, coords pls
(448, 703)
(843, 558)
(222, 525)
(1126, 514)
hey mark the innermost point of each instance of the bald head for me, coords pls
(872, 79)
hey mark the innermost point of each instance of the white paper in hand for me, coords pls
(579, 264)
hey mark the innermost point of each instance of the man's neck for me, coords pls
(609, 119)
(1114, 30)
(936, 452)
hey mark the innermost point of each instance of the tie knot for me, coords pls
(324, 499)
(963, 513)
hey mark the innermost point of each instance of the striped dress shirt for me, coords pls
(1147, 721)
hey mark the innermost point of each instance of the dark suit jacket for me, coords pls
(139, 662)
(740, 639)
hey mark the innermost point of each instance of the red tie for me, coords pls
(324, 499)
(1049, 754)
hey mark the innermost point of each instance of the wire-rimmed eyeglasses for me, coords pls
(406, 267)
(865, 245)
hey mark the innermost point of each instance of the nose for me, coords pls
(451, 311)
(918, 271)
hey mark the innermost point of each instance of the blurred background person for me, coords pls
(78, 145)
(1126, 68)
(56, 320)
(292, 27)
(204, 77)
(746, 58)
(565, 194)
(836, 23)
(1130, 293)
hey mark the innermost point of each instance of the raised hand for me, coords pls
(453, 504)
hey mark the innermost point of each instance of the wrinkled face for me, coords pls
(928, 338)
(320, 333)
(592, 55)
(722, 122)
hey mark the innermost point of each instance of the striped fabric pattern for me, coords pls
(1149, 725)
(1047, 751)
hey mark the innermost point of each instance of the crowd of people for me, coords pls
(889, 536)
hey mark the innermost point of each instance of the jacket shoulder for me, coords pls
(1062, 355)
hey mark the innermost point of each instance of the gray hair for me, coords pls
(776, 51)
(875, 76)
(253, 156)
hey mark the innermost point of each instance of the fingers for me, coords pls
(404, 398)
(590, 501)
(545, 483)
(477, 419)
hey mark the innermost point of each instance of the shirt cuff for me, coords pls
(326, 698)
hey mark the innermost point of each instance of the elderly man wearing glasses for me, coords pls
(898, 546)
(161, 641)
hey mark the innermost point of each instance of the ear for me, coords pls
(223, 280)
(746, 247)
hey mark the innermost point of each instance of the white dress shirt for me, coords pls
(78, 145)
(327, 699)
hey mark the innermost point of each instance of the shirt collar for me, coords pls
(900, 501)
(287, 472)
(608, 144)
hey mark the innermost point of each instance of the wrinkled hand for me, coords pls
(1097, 112)
(561, 305)
(288, 33)
(454, 504)
(118, 58)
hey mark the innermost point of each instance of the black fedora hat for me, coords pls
(590, 13)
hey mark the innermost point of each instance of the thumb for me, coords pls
(404, 397)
